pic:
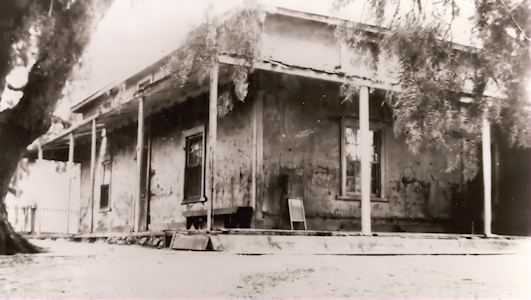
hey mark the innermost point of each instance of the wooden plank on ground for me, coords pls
(189, 242)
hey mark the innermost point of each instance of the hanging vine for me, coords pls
(239, 36)
(433, 72)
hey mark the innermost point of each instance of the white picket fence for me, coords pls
(26, 219)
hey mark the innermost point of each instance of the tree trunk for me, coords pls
(11, 150)
(65, 32)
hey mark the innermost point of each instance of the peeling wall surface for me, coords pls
(234, 156)
(168, 160)
(166, 209)
(302, 120)
(118, 147)
(300, 42)
(233, 160)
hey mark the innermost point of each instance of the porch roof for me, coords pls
(158, 95)
(165, 93)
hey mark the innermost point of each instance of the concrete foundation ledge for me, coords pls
(364, 245)
(243, 241)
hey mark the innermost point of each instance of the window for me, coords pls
(194, 165)
(351, 159)
(144, 82)
(105, 185)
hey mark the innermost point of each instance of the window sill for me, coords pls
(194, 200)
(102, 210)
(358, 198)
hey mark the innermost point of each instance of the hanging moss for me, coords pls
(238, 36)
(428, 111)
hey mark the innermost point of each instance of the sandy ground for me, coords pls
(99, 270)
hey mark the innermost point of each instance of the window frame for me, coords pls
(105, 162)
(144, 82)
(373, 126)
(188, 134)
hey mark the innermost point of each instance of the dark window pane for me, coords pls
(104, 196)
(376, 145)
(194, 167)
(192, 188)
(375, 179)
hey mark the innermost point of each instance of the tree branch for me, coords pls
(61, 43)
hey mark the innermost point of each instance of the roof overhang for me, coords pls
(164, 93)
(157, 96)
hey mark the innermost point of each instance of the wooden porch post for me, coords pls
(257, 160)
(139, 155)
(365, 162)
(487, 176)
(146, 168)
(70, 167)
(92, 173)
(212, 137)
(39, 152)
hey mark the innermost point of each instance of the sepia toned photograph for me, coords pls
(265, 149)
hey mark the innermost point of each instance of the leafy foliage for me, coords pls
(48, 38)
(434, 72)
(238, 36)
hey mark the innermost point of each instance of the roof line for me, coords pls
(335, 21)
(121, 79)
(116, 82)
(328, 19)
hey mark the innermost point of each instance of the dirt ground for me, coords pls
(100, 270)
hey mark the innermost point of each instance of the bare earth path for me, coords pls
(98, 270)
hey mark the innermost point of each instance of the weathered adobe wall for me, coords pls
(312, 44)
(300, 42)
(166, 210)
(234, 156)
(168, 160)
(233, 161)
(302, 140)
(119, 147)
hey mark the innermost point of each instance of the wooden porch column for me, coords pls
(212, 137)
(365, 162)
(70, 167)
(139, 155)
(257, 159)
(39, 151)
(92, 173)
(487, 176)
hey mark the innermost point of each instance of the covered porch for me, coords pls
(163, 94)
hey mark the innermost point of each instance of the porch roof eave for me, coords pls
(309, 72)
(163, 93)
(159, 95)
